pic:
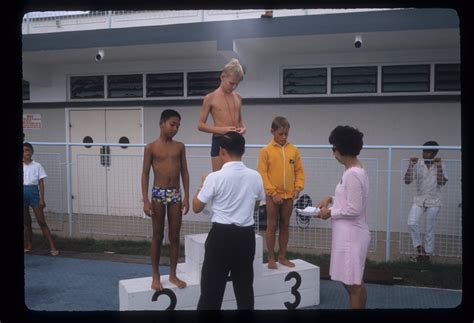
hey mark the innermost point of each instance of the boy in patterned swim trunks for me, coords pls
(168, 160)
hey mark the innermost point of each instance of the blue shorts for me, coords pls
(216, 140)
(30, 195)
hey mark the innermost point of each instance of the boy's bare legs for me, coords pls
(39, 214)
(158, 224)
(28, 230)
(284, 226)
(272, 219)
(357, 295)
(216, 163)
(174, 226)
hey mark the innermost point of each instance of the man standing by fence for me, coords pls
(429, 175)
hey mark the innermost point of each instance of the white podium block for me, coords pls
(194, 256)
(282, 288)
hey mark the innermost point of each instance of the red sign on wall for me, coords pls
(32, 121)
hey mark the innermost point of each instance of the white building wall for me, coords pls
(382, 124)
(262, 79)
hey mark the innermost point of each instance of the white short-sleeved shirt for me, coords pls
(428, 192)
(32, 173)
(233, 191)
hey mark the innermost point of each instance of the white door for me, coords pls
(124, 167)
(88, 171)
(105, 179)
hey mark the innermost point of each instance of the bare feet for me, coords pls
(285, 262)
(272, 264)
(178, 282)
(156, 284)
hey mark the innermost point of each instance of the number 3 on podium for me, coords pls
(294, 290)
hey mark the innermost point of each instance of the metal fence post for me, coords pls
(389, 204)
(69, 188)
(109, 17)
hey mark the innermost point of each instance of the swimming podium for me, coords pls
(282, 288)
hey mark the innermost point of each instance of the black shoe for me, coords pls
(421, 250)
(423, 258)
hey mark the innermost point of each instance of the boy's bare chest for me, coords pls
(164, 154)
(222, 104)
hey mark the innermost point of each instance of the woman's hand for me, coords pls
(325, 213)
(325, 202)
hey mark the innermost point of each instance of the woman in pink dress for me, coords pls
(350, 232)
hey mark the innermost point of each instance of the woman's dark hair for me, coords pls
(347, 140)
(233, 142)
(28, 145)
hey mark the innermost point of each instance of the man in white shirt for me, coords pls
(429, 176)
(234, 192)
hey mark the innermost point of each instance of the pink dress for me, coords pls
(350, 232)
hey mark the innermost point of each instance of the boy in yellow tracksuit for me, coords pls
(281, 168)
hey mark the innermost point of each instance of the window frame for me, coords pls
(107, 90)
(28, 90)
(69, 92)
(201, 72)
(428, 83)
(435, 75)
(183, 85)
(282, 88)
(374, 67)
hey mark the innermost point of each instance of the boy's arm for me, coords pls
(299, 173)
(185, 178)
(240, 123)
(42, 202)
(147, 158)
(205, 110)
(262, 168)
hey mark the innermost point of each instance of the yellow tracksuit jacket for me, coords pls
(281, 169)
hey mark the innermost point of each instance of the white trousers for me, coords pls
(414, 225)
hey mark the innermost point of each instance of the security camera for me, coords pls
(100, 55)
(358, 41)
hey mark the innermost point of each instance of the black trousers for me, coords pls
(228, 248)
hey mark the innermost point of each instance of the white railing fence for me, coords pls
(105, 198)
(59, 21)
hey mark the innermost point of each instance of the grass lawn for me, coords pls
(438, 275)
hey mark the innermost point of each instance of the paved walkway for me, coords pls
(74, 283)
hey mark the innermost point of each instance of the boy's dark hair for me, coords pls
(28, 145)
(279, 123)
(431, 143)
(169, 113)
(347, 140)
(234, 143)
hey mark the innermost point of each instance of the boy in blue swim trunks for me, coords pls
(224, 104)
(168, 160)
(33, 195)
